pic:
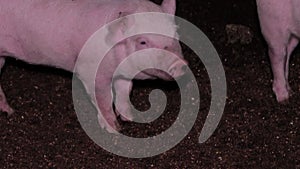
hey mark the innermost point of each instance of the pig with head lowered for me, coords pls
(280, 25)
(53, 32)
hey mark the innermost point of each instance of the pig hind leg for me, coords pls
(4, 106)
(279, 56)
(291, 46)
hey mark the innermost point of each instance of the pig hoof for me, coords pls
(127, 117)
(7, 109)
(282, 93)
(111, 126)
(283, 98)
(284, 102)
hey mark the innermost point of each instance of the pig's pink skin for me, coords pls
(280, 25)
(52, 32)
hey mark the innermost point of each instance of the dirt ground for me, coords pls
(254, 132)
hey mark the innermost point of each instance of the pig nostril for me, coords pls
(166, 47)
(173, 69)
(184, 68)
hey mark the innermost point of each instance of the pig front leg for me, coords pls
(4, 106)
(122, 102)
(107, 119)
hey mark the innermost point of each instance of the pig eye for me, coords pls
(143, 42)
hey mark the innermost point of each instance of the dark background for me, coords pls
(255, 131)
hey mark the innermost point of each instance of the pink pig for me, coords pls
(53, 32)
(280, 24)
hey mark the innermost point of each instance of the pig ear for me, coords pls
(117, 30)
(169, 6)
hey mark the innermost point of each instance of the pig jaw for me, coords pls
(175, 71)
(160, 66)
(178, 69)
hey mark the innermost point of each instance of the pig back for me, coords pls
(52, 32)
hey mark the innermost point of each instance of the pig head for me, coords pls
(152, 64)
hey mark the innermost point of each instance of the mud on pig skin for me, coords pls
(52, 33)
(280, 25)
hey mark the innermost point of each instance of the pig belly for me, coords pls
(296, 18)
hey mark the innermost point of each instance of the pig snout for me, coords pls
(178, 68)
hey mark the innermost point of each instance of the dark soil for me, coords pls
(255, 131)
